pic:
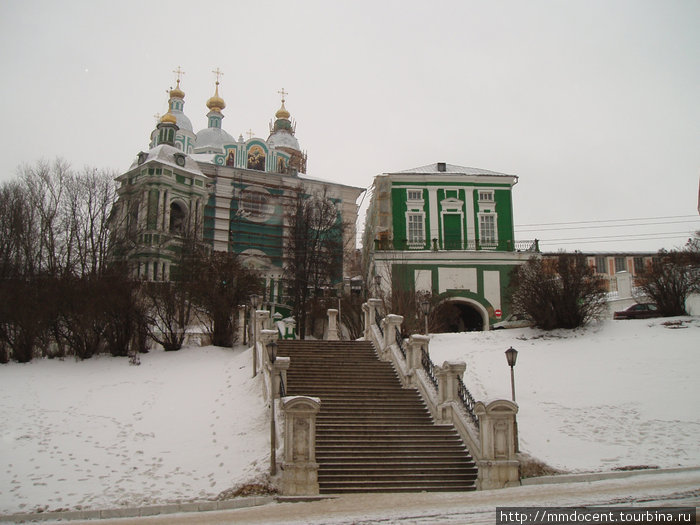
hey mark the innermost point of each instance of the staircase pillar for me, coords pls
(366, 320)
(498, 466)
(391, 323)
(299, 469)
(447, 375)
(332, 334)
(279, 375)
(373, 304)
(416, 343)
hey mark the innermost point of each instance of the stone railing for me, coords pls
(292, 418)
(488, 429)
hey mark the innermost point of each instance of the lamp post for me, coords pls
(272, 355)
(254, 303)
(425, 308)
(377, 282)
(511, 357)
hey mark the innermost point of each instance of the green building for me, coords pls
(232, 193)
(446, 230)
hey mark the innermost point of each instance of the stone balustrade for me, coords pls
(492, 441)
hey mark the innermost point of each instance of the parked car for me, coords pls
(638, 311)
(513, 321)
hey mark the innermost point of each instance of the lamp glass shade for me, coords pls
(511, 356)
(425, 307)
(255, 300)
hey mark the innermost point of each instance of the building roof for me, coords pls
(451, 169)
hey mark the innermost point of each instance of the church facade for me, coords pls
(232, 193)
(447, 231)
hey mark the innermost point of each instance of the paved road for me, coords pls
(660, 489)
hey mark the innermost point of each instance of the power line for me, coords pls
(610, 220)
(621, 236)
(609, 226)
(543, 243)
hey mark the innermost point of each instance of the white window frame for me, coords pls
(411, 195)
(491, 242)
(415, 241)
(486, 196)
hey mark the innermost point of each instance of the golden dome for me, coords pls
(177, 92)
(168, 118)
(216, 103)
(282, 112)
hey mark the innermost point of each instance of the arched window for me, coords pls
(177, 218)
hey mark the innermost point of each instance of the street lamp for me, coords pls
(377, 282)
(425, 308)
(254, 303)
(511, 357)
(272, 355)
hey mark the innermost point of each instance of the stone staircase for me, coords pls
(372, 435)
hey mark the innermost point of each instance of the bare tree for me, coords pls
(90, 198)
(224, 284)
(314, 253)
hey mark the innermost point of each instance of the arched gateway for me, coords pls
(459, 314)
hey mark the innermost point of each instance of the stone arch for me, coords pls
(473, 315)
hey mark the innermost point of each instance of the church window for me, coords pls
(416, 232)
(487, 229)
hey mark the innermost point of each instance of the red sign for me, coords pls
(498, 314)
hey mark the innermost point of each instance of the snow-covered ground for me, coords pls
(187, 425)
(615, 394)
(100, 433)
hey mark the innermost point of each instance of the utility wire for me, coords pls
(608, 226)
(610, 220)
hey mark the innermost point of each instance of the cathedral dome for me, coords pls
(282, 112)
(282, 130)
(283, 139)
(169, 118)
(213, 138)
(216, 103)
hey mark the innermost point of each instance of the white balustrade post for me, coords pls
(367, 320)
(416, 344)
(448, 386)
(391, 322)
(498, 465)
(299, 469)
(332, 325)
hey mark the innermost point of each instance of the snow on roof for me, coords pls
(451, 169)
(165, 154)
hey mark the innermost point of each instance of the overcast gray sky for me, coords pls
(593, 104)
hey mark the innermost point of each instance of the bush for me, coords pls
(670, 278)
(558, 292)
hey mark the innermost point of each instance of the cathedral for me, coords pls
(232, 193)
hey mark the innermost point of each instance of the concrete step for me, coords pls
(372, 435)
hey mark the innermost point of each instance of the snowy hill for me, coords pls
(617, 394)
(188, 425)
